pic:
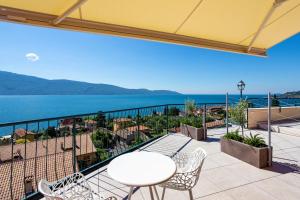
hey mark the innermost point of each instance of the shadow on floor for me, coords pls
(209, 139)
(284, 168)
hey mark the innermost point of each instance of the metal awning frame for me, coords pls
(64, 22)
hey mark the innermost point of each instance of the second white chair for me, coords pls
(188, 171)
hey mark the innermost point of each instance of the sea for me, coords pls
(29, 107)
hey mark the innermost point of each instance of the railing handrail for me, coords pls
(252, 98)
(95, 113)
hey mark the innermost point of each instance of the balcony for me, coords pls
(56, 147)
(222, 177)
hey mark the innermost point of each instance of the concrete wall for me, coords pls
(256, 115)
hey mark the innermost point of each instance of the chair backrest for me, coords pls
(65, 188)
(195, 162)
(196, 159)
(44, 188)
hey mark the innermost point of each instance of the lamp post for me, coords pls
(241, 86)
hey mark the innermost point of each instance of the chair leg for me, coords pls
(163, 193)
(191, 194)
(130, 193)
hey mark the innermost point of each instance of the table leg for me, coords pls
(155, 190)
(151, 193)
(130, 193)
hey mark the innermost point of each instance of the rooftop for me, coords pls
(47, 147)
(50, 163)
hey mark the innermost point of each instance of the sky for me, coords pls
(132, 63)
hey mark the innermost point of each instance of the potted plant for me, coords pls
(191, 126)
(251, 149)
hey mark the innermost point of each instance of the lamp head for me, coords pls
(241, 85)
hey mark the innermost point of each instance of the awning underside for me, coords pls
(244, 26)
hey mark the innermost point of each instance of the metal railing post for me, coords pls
(167, 113)
(138, 124)
(227, 113)
(204, 121)
(269, 129)
(74, 144)
(12, 162)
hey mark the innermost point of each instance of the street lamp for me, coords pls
(241, 86)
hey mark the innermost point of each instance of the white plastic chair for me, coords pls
(188, 171)
(70, 187)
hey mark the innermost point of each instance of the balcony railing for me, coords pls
(55, 147)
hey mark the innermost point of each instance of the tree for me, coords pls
(51, 132)
(103, 139)
(100, 119)
(237, 113)
(275, 101)
(173, 111)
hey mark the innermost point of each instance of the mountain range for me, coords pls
(294, 94)
(18, 84)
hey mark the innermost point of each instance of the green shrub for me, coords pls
(136, 142)
(22, 141)
(174, 122)
(173, 111)
(156, 123)
(190, 107)
(252, 140)
(209, 119)
(102, 139)
(255, 140)
(234, 135)
(102, 153)
(192, 121)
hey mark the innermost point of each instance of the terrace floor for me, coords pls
(223, 177)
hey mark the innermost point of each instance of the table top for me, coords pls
(141, 168)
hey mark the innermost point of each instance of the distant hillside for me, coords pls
(295, 94)
(17, 84)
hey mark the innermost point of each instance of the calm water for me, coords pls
(17, 108)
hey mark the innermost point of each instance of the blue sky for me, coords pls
(135, 63)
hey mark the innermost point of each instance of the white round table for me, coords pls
(140, 169)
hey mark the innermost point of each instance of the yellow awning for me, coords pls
(243, 26)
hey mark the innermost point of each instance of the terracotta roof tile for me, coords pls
(22, 132)
(52, 167)
(50, 146)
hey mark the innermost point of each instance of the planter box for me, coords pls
(193, 132)
(257, 157)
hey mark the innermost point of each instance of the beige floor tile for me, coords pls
(204, 188)
(249, 192)
(291, 179)
(224, 159)
(211, 164)
(218, 196)
(250, 172)
(279, 189)
(224, 179)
